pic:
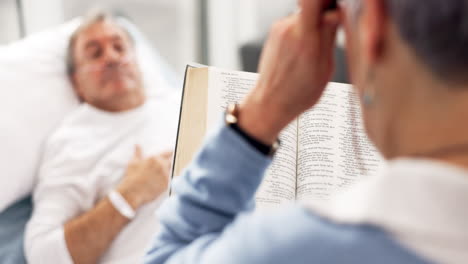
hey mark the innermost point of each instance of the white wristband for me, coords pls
(121, 204)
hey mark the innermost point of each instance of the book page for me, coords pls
(329, 140)
(224, 88)
(279, 184)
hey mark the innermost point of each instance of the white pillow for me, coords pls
(36, 95)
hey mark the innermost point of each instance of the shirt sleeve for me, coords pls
(60, 195)
(216, 188)
(209, 219)
(46, 244)
(44, 236)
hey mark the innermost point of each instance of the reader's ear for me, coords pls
(373, 25)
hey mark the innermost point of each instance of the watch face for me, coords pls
(274, 148)
(231, 119)
(231, 114)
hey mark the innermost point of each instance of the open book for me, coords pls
(321, 152)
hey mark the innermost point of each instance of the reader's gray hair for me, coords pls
(436, 30)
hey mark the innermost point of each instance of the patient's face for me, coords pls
(107, 75)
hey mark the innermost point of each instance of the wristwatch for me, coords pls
(231, 119)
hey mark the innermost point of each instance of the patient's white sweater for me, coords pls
(86, 158)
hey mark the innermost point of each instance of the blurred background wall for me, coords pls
(223, 33)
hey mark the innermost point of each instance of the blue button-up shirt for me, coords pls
(210, 219)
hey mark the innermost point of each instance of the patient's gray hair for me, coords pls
(93, 17)
(436, 30)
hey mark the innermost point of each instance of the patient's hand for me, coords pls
(146, 178)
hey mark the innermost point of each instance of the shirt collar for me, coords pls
(422, 203)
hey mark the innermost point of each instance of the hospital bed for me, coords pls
(36, 96)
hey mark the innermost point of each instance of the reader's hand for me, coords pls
(146, 178)
(295, 67)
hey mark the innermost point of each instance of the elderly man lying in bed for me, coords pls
(96, 193)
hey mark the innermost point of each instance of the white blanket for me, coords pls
(86, 158)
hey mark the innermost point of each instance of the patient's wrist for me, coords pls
(121, 204)
(132, 197)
